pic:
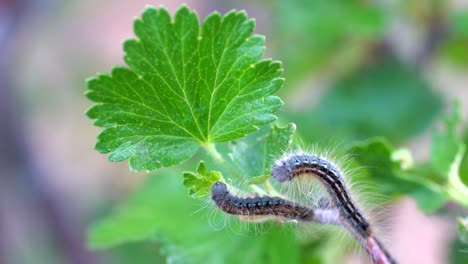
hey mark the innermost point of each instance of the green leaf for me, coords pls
(254, 155)
(378, 100)
(447, 152)
(458, 253)
(248, 159)
(447, 148)
(161, 211)
(153, 211)
(376, 155)
(464, 164)
(139, 252)
(199, 183)
(454, 51)
(428, 200)
(404, 157)
(185, 86)
(380, 159)
(463, 229)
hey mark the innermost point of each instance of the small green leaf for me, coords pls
(185, 86)
(447, 147)
(199, 183)
(253, 156)
(376, 155)
(404, 157)
(463, 229)
(379, 157)
(447, 152)
(428, 200)
(464, 163)
(458, 253)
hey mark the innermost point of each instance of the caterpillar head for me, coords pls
(219, 190)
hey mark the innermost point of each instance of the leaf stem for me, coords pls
(218, 158)
(456, 188)
(211, 149)
(458, 191)
(213, 152)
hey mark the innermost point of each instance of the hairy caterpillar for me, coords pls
(276, 207)
(302, 164)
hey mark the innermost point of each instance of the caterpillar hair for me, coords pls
(274, 207)
(302, 164)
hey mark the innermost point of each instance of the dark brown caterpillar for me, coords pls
(297, 165)
(351, 216)
(259, 206)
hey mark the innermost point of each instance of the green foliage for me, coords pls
(324, 32)
(152, 115)
(393, 176)
(447, 147)
(189, 86)
(253, 156)
(137, 252)
(386, 98)
(447, 152)
(247, 161)
(199, 183)
(464, 163)
(162, 211)
(186, 86)
(377, 155)
(430, 184)
(458, 253)
(463, 229)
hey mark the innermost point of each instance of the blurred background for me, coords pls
(354, 69)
